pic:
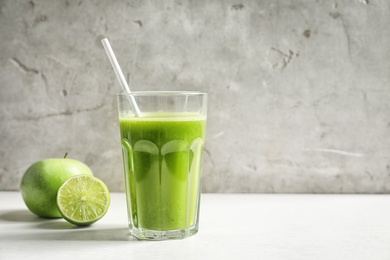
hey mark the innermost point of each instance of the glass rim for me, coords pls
(162, 93)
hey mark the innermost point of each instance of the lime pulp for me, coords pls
(83, 200)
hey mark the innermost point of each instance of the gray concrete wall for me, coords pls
(299, 90)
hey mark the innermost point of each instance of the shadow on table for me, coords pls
(21, 216)
(77, 234)
(59, 229)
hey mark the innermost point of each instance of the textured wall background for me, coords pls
(299, 90)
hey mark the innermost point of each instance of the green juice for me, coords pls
(162, 156)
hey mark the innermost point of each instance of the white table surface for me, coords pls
(232, 226)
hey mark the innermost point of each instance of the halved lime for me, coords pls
(83, 200)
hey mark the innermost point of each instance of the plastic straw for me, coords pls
(119, 74)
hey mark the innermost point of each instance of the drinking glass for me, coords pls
(162, 146)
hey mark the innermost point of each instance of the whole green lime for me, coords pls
(41, 181)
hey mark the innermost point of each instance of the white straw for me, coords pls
(119, 74)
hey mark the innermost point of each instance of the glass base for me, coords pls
(146, 234)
